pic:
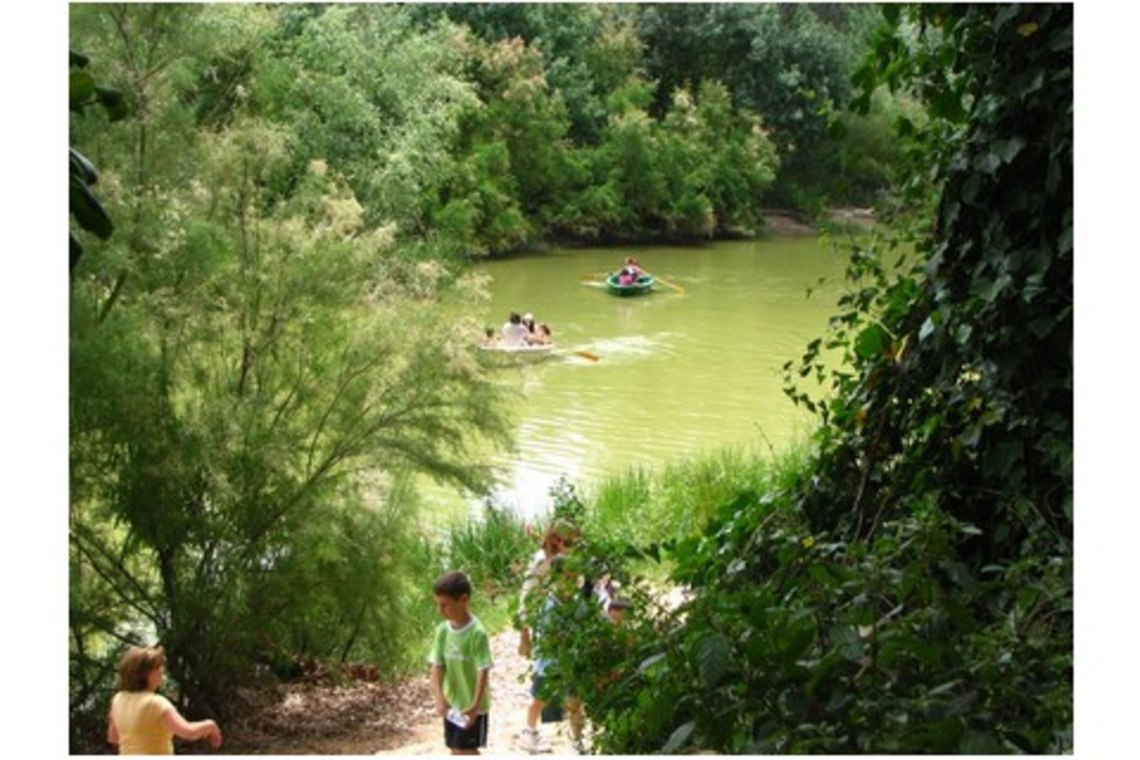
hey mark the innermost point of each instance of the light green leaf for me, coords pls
(678, 738)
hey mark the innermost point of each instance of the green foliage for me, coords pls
(247, 418)
(907, 589)
(490, 548)
(365, 91)
(84, 92)
(271, 347)
(790, 64)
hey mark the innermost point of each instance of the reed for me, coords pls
(645, 507)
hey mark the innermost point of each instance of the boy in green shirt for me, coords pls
(460, 660)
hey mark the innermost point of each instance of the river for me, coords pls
(686, 369)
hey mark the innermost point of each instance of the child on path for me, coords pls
(560, 537)
(460, 660)
(142, 722)
(563, 587)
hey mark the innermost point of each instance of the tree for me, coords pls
(790, 64)
(247, 419)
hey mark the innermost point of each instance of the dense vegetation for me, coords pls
(910, 587)
(267, 290)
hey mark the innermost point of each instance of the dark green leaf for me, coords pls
(88, 212)
(871, 342)
(713, 658)
(81, 89)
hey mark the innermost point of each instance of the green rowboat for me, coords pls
(643, 285)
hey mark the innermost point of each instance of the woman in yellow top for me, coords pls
(143, 722)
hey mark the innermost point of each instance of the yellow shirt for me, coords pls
(138, 718)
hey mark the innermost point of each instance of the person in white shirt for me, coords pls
(514, 332)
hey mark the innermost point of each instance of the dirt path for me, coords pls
(509, 700)
(318, 717)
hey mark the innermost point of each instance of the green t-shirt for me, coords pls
(462, 653)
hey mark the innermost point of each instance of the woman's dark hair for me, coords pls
(136, 665)
(453, 584)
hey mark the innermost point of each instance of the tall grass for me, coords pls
(640, 507)
(645, 507)
(492, 549)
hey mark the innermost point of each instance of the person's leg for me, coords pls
(529, 738)
(534, 712)
(577, 717)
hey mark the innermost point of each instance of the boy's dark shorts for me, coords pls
(472, 737)
(552, 703)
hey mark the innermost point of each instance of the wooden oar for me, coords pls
(586, 355)
(677, 288)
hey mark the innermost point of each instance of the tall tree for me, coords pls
(247, 417)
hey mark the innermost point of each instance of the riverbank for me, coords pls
(783, 222)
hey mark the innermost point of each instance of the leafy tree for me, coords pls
(364, 89)
(247, 418)
(788, 63)
(586, 49)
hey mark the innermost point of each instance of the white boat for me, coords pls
(517, 354)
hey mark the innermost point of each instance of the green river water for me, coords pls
(678, 373)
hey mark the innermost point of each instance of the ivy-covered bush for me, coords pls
(911, 591)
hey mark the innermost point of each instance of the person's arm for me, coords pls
(173, 721)
(480, 689)
(112, 731)
(437, 690)
(530, 581)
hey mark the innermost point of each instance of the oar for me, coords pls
(677, 288)
(586, 355)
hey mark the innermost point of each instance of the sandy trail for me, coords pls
(509, 700)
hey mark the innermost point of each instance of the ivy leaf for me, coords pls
(648, 663)
(713, 656)
(1007, 150)
(978, 743)
(81, 89)
(927, 329)
(871, 341)
(678, 738)
(113, 103)
(88, 211)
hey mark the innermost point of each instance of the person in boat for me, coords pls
(513, 333)
(630, 271)
(490, 337)
(541, 335)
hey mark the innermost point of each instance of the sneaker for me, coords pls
(529, 740)
(580, 747)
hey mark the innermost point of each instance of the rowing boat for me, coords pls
(642, 286)
(517, 354)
